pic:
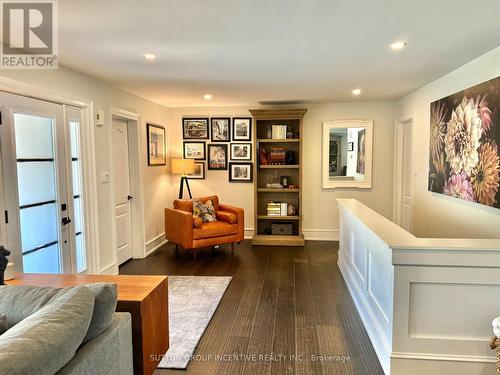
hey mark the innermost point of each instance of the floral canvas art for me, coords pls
(464, 154)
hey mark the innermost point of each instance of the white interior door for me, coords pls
(120, 174)
(407, 175)
(37, 185)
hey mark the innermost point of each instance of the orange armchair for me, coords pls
(179, 226)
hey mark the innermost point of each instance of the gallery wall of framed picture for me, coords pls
(219, 143)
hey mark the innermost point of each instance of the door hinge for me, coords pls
(6, 217)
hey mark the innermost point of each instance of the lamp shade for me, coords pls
(182, 166)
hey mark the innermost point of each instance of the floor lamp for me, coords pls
(184, 167)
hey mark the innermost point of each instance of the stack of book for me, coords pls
(277, 209)
(279, 132)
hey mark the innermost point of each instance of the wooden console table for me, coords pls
(144, 297)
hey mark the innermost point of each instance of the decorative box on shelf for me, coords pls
(283, 229)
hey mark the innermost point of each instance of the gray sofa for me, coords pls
(63, 331)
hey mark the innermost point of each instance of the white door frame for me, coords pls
(88, 157)
(398, 166)
(134, 127)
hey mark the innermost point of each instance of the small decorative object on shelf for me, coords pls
(291, 210)
(4, 253)
(495, 341)
(290, 158)
(262, 156)
(277, 156)
(285, 181)
(274, 186)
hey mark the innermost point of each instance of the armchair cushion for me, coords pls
(227, 217)
(214, 229)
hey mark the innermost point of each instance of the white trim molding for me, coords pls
(154, 244)
(321, 234)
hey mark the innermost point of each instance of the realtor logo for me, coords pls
(29, 34)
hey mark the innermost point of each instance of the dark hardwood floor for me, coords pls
(283, 302)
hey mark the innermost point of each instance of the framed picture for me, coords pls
(464, 140)
(195, 128)
(240, 172)
(361, 162)
(217, 157)
(220, 129)
(194, 150)
(350, 146)
(242, 129)
(199, 171)
(156, 145)
(241, 151)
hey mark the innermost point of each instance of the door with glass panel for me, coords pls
(40, 149)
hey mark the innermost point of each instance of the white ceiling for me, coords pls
(243, 52)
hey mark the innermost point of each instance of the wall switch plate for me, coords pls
(104, 177)
(99, 118)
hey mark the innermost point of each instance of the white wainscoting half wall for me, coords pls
(427, 304)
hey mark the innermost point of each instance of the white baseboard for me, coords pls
(109, 269)
(249, 233)
(321, 234)
(154, 244)
(432, 364)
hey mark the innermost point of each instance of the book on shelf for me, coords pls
(279, 131)
(277, 209)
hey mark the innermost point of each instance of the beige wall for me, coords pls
(70, 83)
(319, 206)
(436, 215)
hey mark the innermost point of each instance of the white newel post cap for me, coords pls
(496, 327)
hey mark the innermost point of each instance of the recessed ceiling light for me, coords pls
(207, 96)
(398, 46)
(356, 92)
(149, 56)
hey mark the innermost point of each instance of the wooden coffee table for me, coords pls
(144, 297)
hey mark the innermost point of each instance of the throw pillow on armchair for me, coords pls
(206, 211)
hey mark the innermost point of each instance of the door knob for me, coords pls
(66, 220)
(129, 197)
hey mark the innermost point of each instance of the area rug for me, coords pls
(192, 301)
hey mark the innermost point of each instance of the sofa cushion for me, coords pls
(214, 229)
(204, 210)
(20, 301)
(104, 306)
(3, 324)
(228, 217)
(47, 340)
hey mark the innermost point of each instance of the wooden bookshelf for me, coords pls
(263, 119)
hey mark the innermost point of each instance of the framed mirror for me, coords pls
(347, 154)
